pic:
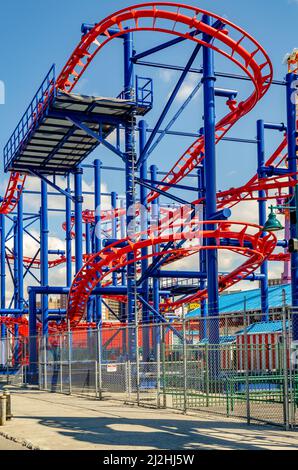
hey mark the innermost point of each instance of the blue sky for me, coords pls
(35, 33)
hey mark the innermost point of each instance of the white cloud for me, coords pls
(167, 75)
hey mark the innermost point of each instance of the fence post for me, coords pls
(129, 376)
(163, 355)
(292, 365)
(137, 360)
(69, 358)
(286, 402)
(158, 374)
(184, 367)
(207, 374)
(8, 405)
(7, 357)
(2, 410)
(99, 362)
(45, 369)
(39, 364)
(246, 364)
(61, 362)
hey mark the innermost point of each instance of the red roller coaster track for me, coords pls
(240, 48)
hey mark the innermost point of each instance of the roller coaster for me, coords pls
(61, 129)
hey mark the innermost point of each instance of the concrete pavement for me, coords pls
(59, 422)
(6, 444)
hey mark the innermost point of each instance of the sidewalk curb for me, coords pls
(22, 442)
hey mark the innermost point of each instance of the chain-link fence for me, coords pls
(242, 366)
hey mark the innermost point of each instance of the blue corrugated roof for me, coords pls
(264, 327)
(234, 302)
(223, 340)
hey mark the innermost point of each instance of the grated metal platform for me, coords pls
(47, 140)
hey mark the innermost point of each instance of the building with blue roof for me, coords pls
(235, 301)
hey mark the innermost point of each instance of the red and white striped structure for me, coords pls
(264, 351)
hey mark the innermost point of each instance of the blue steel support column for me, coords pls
(144, 227)
(44, 255)
(292, 165)
(16, 262)
(123, 234)
(78, 219)
(98, 244)
(2, 270)
(20, 232)
(114, 228)
(130, 163)
(210, 178)
(155, 281)
(68, 236)
(88, 251)
(16, 280)
(19, 271)
(262, 218)
(33, 341)
(129, 76)
(203, 256)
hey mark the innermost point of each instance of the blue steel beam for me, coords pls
(170, 185)
(97, 230)
(211, 202)
(136, 57)
(262, 218)
(98, 291)
(87, 27)
(196, 135)
(20, 231)
(68, 237)
(33, 340)
(275, 127)
(78, 219)
(203, 254)
(2, 270)
(44, 252)
(160, 318)
(28, 268)
(166, 131)
(225, 93)
(96, 136)
(155, 282)
(161, 258)
(272, 171)
(144, 228)
(199, 275)
(39, 175)
(130, 166)
(292, 165)
(16, 263)
(164, 193)
(144, 154)
(111, 310)
(114, 229)
(178, 68)
(88, 251)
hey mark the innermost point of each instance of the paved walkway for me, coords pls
(52, 421)
(6, 444)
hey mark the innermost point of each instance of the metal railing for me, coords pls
(251, 374)
(31, 118)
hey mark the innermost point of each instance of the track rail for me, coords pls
(243, 51)
(13, 192)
